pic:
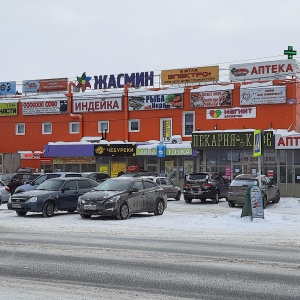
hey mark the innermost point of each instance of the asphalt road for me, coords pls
(70, 265)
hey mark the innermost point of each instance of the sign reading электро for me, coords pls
(198, 74)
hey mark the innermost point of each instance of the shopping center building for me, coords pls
(111, 122)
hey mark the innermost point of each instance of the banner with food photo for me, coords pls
(151, 99)
(211, 98)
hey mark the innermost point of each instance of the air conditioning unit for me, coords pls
(176, 139)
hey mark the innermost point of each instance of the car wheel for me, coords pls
(21, 213)
(177, 198)
(123, 213)
(231, 204)
(48, 210)
(159, 209)
(84, 216)
(277, 197)
(216, 199)
(265, 202)
(187, 200)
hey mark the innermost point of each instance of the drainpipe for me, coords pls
(78, 117)
(126, 111)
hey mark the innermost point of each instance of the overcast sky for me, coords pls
(64, 38)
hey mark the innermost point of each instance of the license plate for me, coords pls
(89, 206)
(16, 205)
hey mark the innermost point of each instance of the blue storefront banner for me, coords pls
(7, 88)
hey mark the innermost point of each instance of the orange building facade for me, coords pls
(181, 108)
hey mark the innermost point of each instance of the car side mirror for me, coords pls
(133, 190)
(65, 189)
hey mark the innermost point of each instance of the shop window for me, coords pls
(134, 125)
(74, 127)
(46, 128)
(165, 129)
(72, 168)
(212, 157)
(296, 157)
(20, 129)
(103, 126)
(188, 123)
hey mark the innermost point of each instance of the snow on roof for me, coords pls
(216, 87)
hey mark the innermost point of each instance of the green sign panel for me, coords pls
(229, 140)
(290, 52)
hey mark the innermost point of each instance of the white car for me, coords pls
(4, 192)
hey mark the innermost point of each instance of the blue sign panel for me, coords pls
(31, 86)
(7, 88)
(161, 150)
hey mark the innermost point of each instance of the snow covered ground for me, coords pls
(281, 223)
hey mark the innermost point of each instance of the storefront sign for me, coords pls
(74, 160)
(287, 141)
(155, 100)
(45, 85)
(44, 107)
(167, 128)
(231, 113)
(97, 105)
(268, 95)
(7, 88)
(210, 98)
(146, 150)
(267, 69)
(119, 81)
(178, 150)
(8, 109)
(115, 150)
(229, 140)
(199, 74)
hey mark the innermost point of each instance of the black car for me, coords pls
(53, 194)
(96, 176)
(205, 186)
(120, 197)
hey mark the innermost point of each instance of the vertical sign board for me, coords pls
(253, 205)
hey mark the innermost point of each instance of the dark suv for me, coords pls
(205, 186)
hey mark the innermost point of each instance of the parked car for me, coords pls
(53, 194)
(239, 186)
(96, 176)
(5, 177)
(172, 190)
(121, 197)
(139, 174)
(36, 182)
(19, 178)
(205, 186)
(4, 192)
(32, 176)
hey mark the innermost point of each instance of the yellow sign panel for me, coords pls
(200, 74)
(9, 109)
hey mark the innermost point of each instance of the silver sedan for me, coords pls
(4, 192)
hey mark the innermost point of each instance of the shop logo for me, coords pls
(239, 72)
(83, 82)
(215, 113)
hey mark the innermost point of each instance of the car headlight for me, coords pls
(113, 199)
(32, 199)
(9, 199)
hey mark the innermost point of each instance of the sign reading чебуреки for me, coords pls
(238, 140)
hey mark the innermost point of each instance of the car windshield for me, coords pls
(51, 185)
(243, 182)
(113, 185)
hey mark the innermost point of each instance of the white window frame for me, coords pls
(167, 138)
(184, 122)
(20, 125)
(130, 123)
(71, 127)
(106, 125)
(43, 127)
